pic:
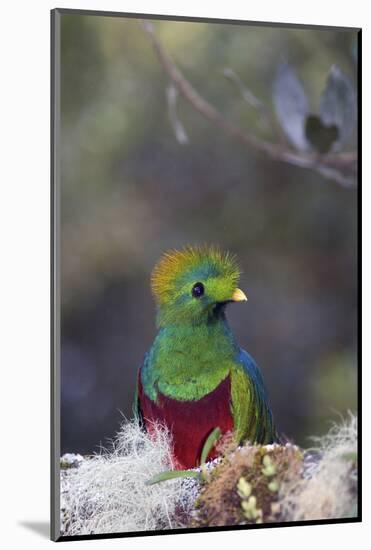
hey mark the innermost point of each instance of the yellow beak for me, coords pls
(238, 296)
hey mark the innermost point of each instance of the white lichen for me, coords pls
(107, 493)
(71, 460)
(328, 488)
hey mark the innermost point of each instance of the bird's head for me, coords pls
(194, 284)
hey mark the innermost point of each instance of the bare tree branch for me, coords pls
(266, 118)
(340, 167)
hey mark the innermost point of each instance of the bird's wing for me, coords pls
(137, 411)
(252, 416)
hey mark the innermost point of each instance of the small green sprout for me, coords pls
(269, 468)
(274, 486)
(250, 510)
(244, 488)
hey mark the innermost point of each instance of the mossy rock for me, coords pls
(244, 487)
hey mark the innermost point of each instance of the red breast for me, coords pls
(190, 422)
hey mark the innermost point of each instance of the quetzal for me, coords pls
(195, 377)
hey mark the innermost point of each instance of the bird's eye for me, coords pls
(197, 290)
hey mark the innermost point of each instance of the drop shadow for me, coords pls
(42, 528)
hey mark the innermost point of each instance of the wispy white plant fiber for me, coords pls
(107, 492)
(329, 490)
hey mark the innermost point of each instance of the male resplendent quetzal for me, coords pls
(195, 376)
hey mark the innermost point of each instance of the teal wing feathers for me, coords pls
(253, 416)
(137, 411)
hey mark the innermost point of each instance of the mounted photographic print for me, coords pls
(205, 274)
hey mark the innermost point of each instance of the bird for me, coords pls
(195, 377)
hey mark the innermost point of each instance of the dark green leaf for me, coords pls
(320, 136)
(172, 474)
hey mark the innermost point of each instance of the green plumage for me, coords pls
(195, 354)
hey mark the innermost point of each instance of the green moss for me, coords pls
(245, 487)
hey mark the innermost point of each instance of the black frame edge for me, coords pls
(359, 266)
(165, 532)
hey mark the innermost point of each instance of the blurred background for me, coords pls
(131, 190)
